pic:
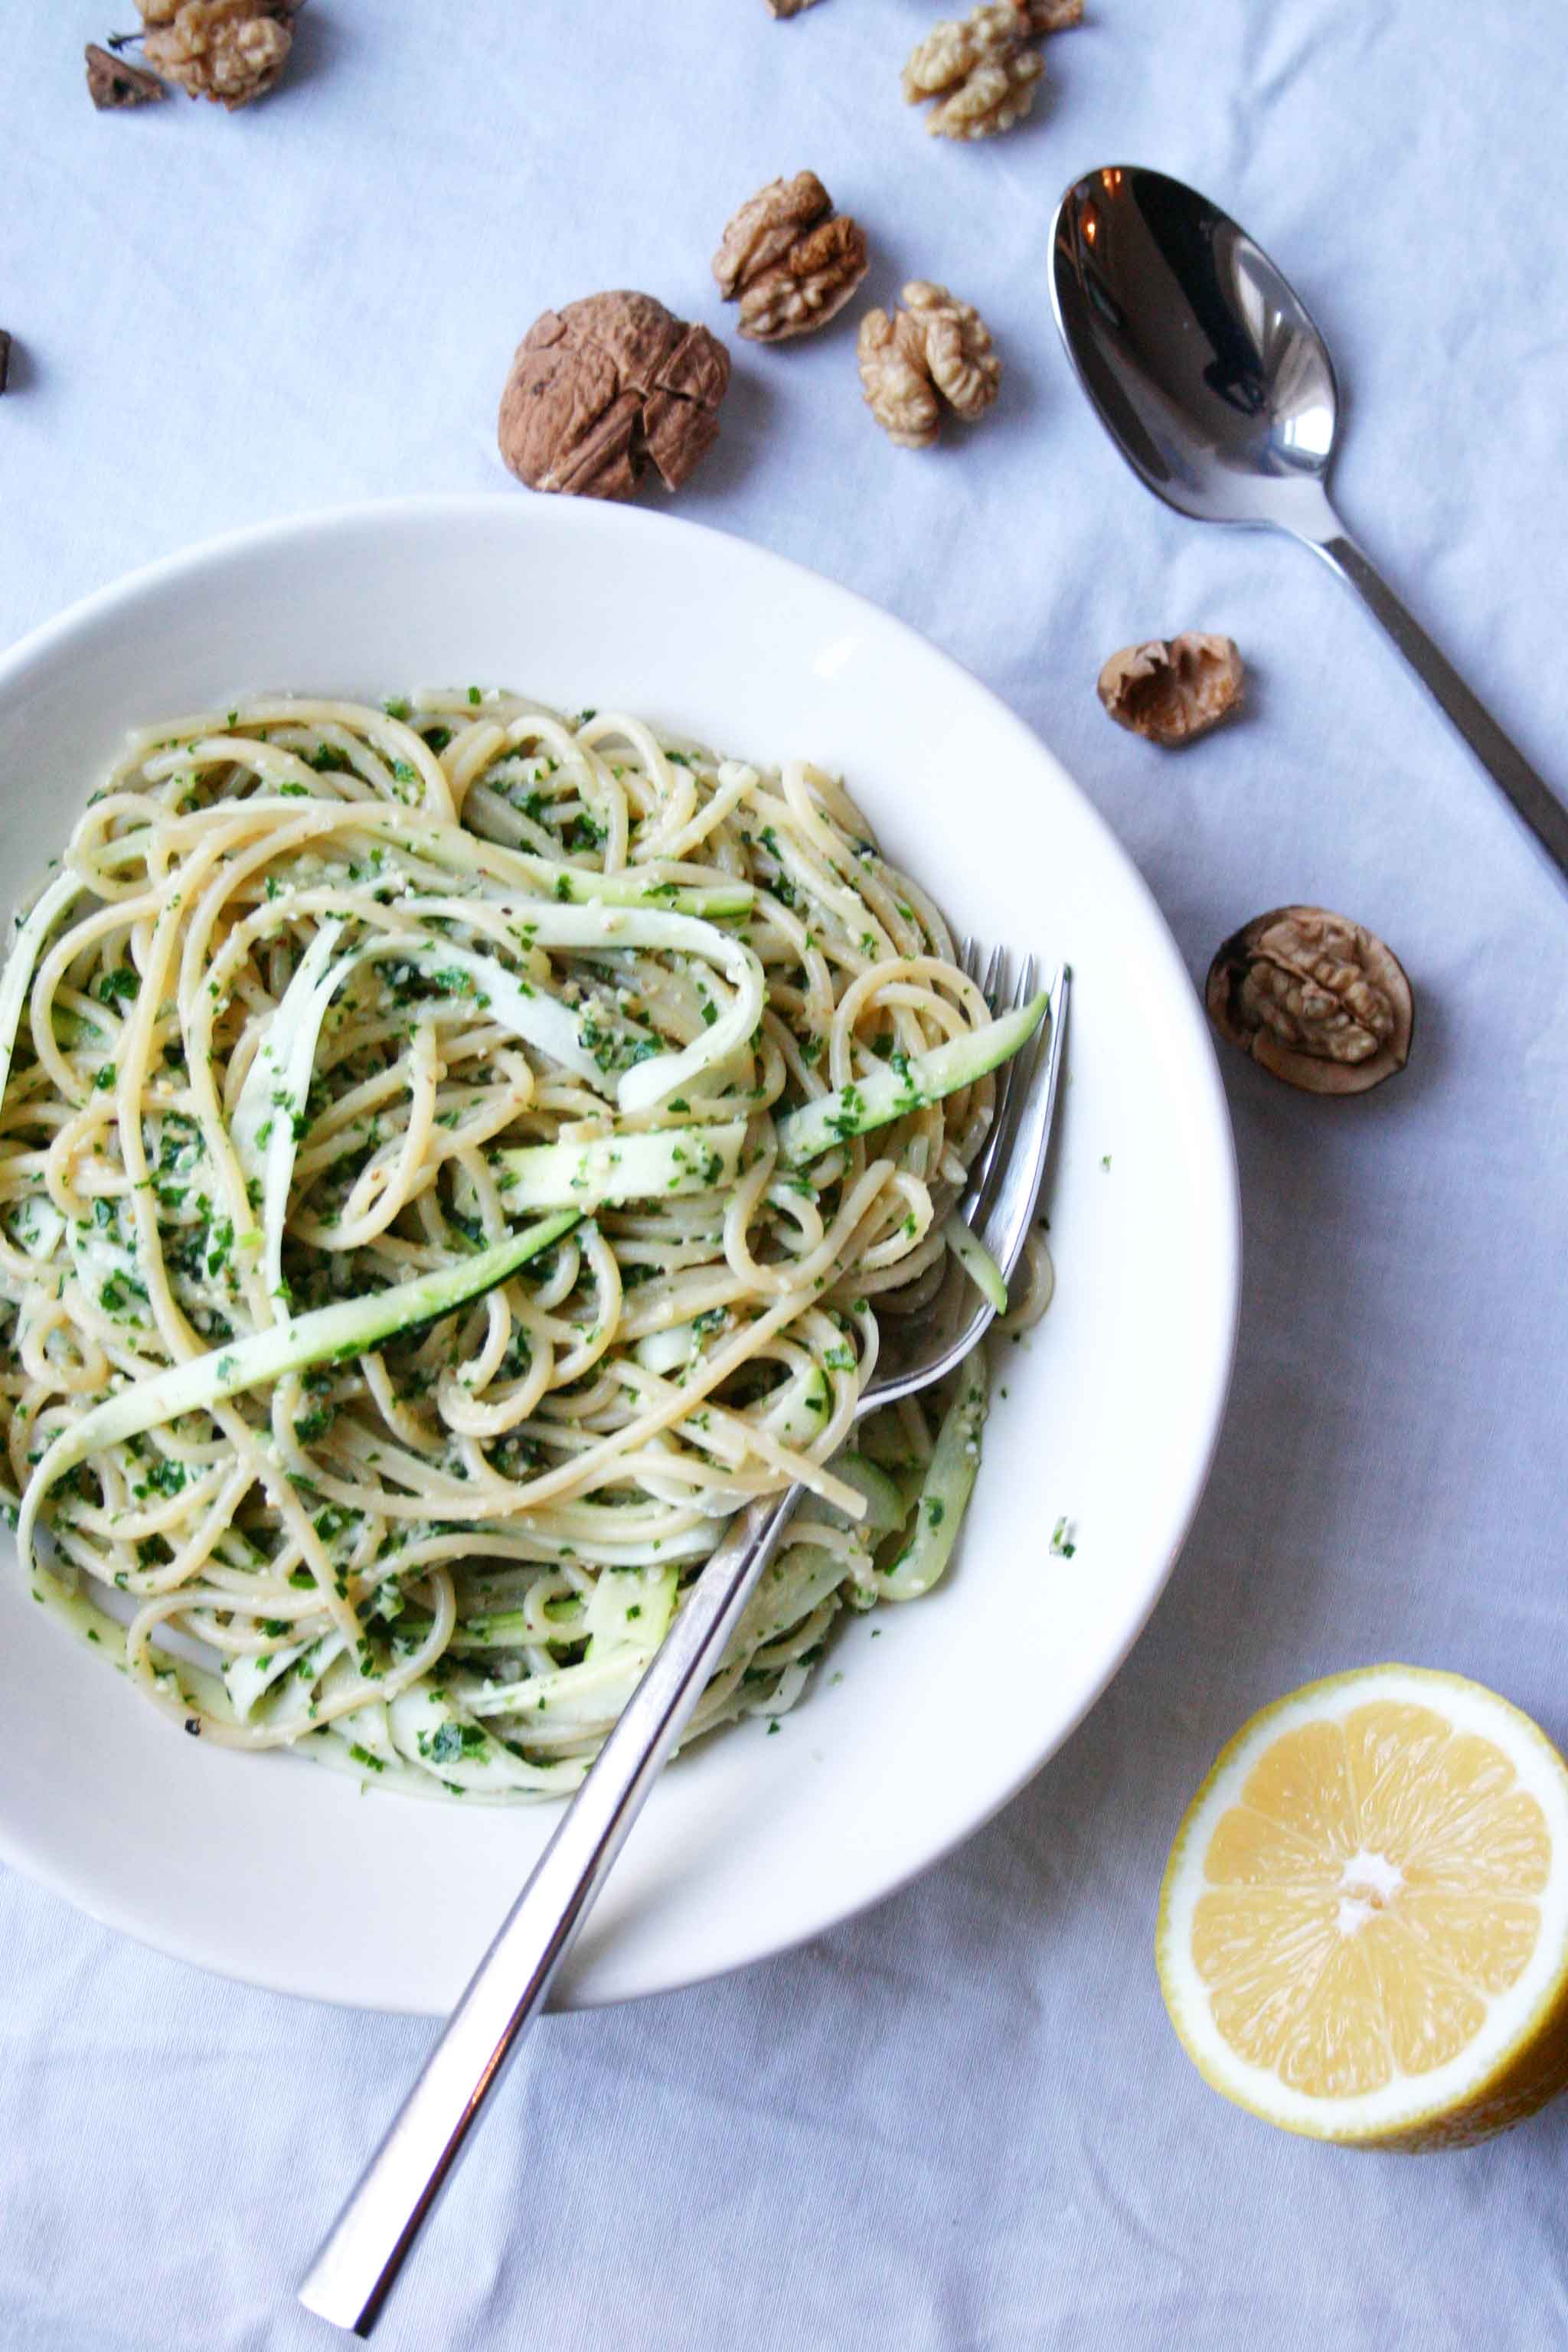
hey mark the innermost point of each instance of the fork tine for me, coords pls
(985, 1160)
(970, 958)
(991, 1159)
(1012, 1083)
(929, 1344)
(1008, 1212)
(988, 988)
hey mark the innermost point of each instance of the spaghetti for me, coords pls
(451, 1158)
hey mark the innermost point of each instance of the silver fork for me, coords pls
(360, 2258)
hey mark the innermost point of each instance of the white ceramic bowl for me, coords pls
(928, 1716)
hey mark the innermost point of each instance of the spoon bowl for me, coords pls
(1211, 376)
(1203, 362)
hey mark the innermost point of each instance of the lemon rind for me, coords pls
(1520, 2053)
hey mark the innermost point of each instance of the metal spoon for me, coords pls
(1213, 382)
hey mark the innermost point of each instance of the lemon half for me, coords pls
(1364, 1925)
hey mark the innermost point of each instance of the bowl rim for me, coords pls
(461, 509)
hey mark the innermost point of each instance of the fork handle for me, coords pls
(361, 2256)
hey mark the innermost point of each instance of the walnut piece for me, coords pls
(978, 70)
(114, 81)
(1173, 692)
(935, 349)
(228, 50)
(792, 262)
(788, 7)
(1048, 16)
(1315, 999)
(955, 47)
(607, 386)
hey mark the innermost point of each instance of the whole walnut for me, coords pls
(604, 388)
(792, 262)
(935, 349)
(227, 50)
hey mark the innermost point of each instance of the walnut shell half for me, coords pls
(1316, 999)
(1173, 692)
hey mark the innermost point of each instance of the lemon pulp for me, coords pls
(1364, 1927)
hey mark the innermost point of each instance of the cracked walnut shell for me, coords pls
(1173, 692)
(935, 349)
(227, 50)
(113, 82)
(1316, 999)
(606, 387)
(978, 70)
(790, 260)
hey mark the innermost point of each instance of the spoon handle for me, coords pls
(1503, 761)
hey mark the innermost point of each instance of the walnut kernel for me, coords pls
(1316, 999)
(934, 348)
(114, 81)
(1173, 692)
(228, 50)
(792, 261)
(788, 7)
(605, 387)
(896, 384)
(978, 70)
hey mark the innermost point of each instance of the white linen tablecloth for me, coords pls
(962, 2122)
